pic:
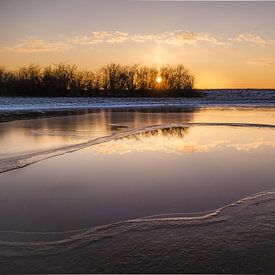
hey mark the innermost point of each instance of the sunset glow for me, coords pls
(240, 54)
(137, 136)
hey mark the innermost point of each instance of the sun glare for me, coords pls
(159, 79)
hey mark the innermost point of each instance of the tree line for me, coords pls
(110, 80)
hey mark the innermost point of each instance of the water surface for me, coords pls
(25, 136)
(166, 170)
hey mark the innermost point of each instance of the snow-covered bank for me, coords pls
(211, 98)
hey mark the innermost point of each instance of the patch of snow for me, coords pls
(211, 98)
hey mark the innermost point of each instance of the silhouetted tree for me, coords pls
(110, 80)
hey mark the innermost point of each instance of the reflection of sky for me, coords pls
(226, 44)
(188, 140)
(196, 169)
(31, 135)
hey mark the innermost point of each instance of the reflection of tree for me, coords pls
(178, 132)
(90, 124)
(104, 122)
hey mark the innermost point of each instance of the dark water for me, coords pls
(168, 170)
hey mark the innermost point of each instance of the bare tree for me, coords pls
(110, 80)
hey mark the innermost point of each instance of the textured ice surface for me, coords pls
(238, 238)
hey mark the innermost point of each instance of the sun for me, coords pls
(159, 79)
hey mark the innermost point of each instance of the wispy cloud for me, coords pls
(99, 37)
(264, 61)
(175, 38)
(253, 39)
(32, 44)
(179, 37)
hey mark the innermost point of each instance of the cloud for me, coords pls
(99, 37)
(179, 38)
(174, 38)
(32, 44)
(264, 61)
(253, 39)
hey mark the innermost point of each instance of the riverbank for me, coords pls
(13, 108)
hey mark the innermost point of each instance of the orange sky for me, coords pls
(224, 44)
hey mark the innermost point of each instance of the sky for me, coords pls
(224, 44)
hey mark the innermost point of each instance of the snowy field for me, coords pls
(211, 98)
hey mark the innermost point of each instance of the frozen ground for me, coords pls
(211, 98)
(238, 238)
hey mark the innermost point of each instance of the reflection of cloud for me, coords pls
(164, 145)
(173, 38)
(252, 146)
(173, 144)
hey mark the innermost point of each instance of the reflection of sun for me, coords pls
(159, 79)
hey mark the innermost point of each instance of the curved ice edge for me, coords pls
(21, 161)
(205, 214)
(86, 236)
